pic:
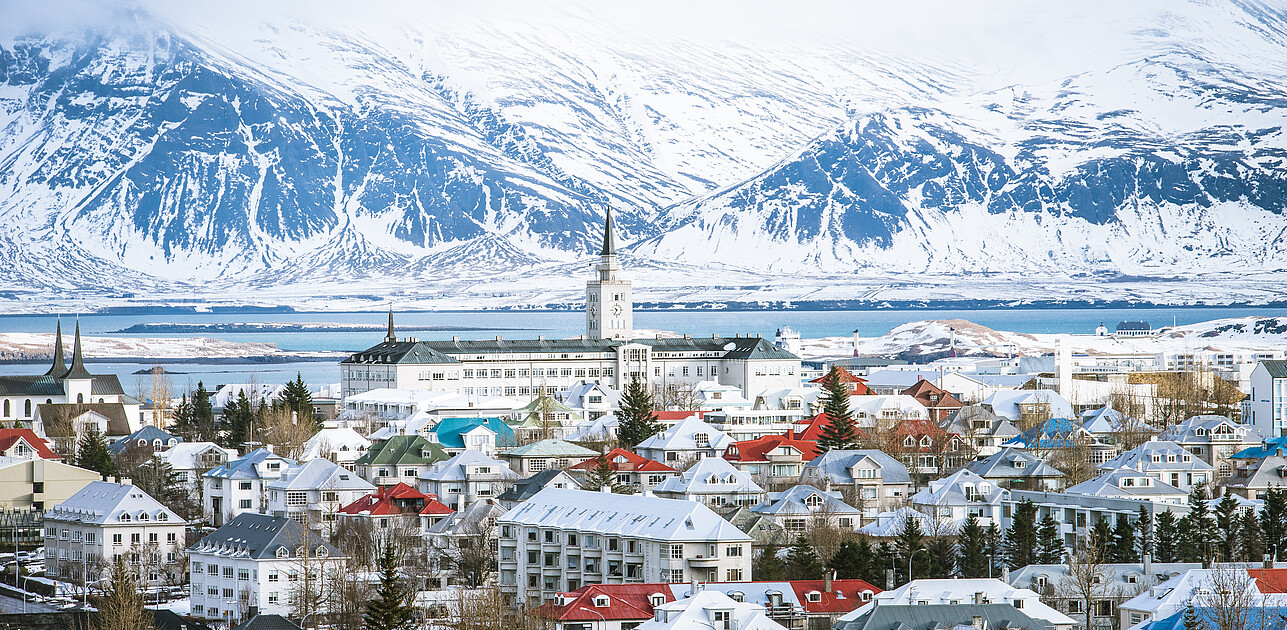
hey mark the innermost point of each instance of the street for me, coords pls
(14, 605)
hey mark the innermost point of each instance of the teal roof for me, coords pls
(1276, 368)
(1272, 446)
(551, 448)
(450, 430)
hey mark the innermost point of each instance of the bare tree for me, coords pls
(1087, 576)
(1233, 598)
(1074, 460)
(676, 397)
(305, 575)
(161, 392)
(285, 432)
(347, 593)
(488, 609)
(472, 559)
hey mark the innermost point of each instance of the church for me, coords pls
(608, 353)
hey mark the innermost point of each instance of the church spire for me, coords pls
(609, 243)
(77, 369)
(390, 337)
(60, 364)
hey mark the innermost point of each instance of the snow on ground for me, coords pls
(935, 336)
(38, 345)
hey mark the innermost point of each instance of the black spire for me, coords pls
(77, 369)
(60, 364)
(390, 338)
(609, 244)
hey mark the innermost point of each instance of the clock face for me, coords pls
(616, 309)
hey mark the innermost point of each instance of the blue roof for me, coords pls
(1053, 433)
(1262, 618)
(148, 433)
(1272, 446)
(450, 430)
(244, 467)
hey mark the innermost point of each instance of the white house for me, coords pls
(873, 480)
(105, 521)
(713, 481)
(1129, 483)
(967, 591)
(1167, 462)
(560, 539)
(690, 440)
(189, 460)
(800, 508)
(466, 478)
(241, 484)
(953, 499)
(709, 609)
(257, 561)
(342, 445)
(312, 493)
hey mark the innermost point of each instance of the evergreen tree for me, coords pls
(603, 476)
(1273, 522)
(1021, 538)
(996, 549)
(391, 609)
(296, 397)
(1190, 619)
(840, 432)
(802, 561)
(93, 454)
(851, 559)
(159, 480)
(239, 418)
(874, 561)
(1228, 526)
(909, 541)
(886, 560)
(972, 548)
(1166, 537)
(636, 419)
(1197, 529)
(768, 567)
(121, 607)
(1122, 547)
(1143, 534)
(203, 420)
(1050, 543)
(184, 423)
(940, 551)
(1251, 544)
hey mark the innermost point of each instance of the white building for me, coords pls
(105, 521)
(967, 591)
(875, 481)
(257, 561)
(1167, 462)
(560, 539)
(312, 493)
(709, 609)
(189, 460)
(1269, 398)
(466, 478)
(690, 440)
(713, 481)
(342, 445)
(953, 499)
(241, 484)
(800, 508)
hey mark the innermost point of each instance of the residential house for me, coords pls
(1028, 406)
(1074, 513)
(149, 439)
(342, 445)
(106, 521)
(715, 396)
(972, 593)
(634, 472)
(775, 459)
(953, 499)
(938, 401)
(399, 459)
(1117, 583)
(857, 386)
(34, 484)
(983, 431)
(256, 393)
(543, 418)
(189, 460)
(66, 424)
(389, 507)
(1268, 398)
(467, 477)
(714, 482)
(709, 609)
(966, 616)
(526, 488)
(1129, 483)
(593, 400)
(889, 524)
(486, 435)
(447, 534)
(604, 606)
(1200, 588)
(795, 604)
(1013, 468)
(25, 444)
(1165, 461)
(878, 411)
(871, 480)
(241, 484)
(1267, 447)
(1254, 480)
(925, 447)
(1111, 426)
(802, 508)
(763, 529)
(690, 440)
(561, 539)
(532, 458)
(253, 563)
(1060, 434)
(1213, 439)
(313, 493)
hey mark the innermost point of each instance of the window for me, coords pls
(152, 537)
(245, 504)
(733, 575)
(227, 593)
(734, 551)
(677, 553)
(227, 572)
(272, 597)
(136, 538)
(676, 576)
(296, 498)
(116, 539)
(245, 485)
(722, 619)
(273, 576)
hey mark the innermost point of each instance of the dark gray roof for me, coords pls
(1001, 465)
(415, 352)
(1134, 326)
(524, 489)
(1276, 368)
(260, 536)
(169, 620)
(445, 351)
(77, 369)
(147, 433)
(267, 622)
(34, 386)
(57, 417)
(935, 616)
(762, 529)
(609, 244)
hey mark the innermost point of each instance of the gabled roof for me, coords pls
(524, 489)
(552, 447)
(619, 459)
(107, 503)
(334, 439)
(9, 437)
(628, 515)
(1271, 446)
(758, 450)
(245, 467)
(626, 602)
(455, 469)
(837, 466)
(1003, 465)
(183, 456)
(402, 450)
(474, 518)
(681, 437)
(320, 474)
(57, 418)
(1277, 368)
(950, 490)
(1109, 484)
(147, 434)
(434, 507)
(856, 384)
(945, 616)
(762, 528)
(924, 391)
(267, 622)
(388, 501)
(792, 502)
(710, 475)
(259, 537)
(402, 351)
(450, 431)
(1142, 456)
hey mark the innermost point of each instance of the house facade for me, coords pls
(241, 485)
(106, 521)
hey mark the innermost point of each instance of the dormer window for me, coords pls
(125, 518)
(162, 517)
(737, 596)
(702, 440)
(656, 599)
(812, 501)
(283, 552)
(1019, 463)
(926, 442)
(813, 596)
(142, 516)
(601, 601)
(909, 441)
(1199, 432)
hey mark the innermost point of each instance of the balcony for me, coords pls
(703, 562)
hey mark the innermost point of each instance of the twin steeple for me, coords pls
(77, 369)
(59, 369)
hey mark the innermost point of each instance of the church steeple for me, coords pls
(609, 306)
(390, 337)
(77, 370)
(609, 243)
(60, 364)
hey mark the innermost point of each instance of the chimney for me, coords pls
(889, 579)
(498, 338)
(791, 431)
(1005, 575)
(696, 586)
(455, 338)
(540, 337)
(826, 581)
(1268, 561)
(606, 489)
(977, 622)
(978, 598)
(1147, 561)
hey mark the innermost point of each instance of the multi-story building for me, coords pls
(1116, 584)
(869, 479)
(105, 521)
(313, 493)
(1128, 483)
(802, 508)
(1213, 439)
(955, 498)
(340, 444)
(258, 562)
(532, 458)
(189, 460)
(466, 478)
(561, 539)
(1077, 513)
(1018, 470)
(34, 483)
(713, 481)
(777, 460)
(241, 484)
(690, 440)
(1167, 462)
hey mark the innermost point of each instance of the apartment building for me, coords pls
(241, 484)
(105, 521)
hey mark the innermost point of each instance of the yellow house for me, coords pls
(39, 484)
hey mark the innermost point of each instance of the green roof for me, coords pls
(1276, 368)
(401, 450)
(551, 448)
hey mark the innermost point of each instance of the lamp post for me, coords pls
(989, 566)
(605, 620)
(909, 562)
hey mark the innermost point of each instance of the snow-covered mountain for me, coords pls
(410, 148)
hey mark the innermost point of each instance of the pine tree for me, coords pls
(636, 420)
(239, 418)
(1050, 543)
(909, 541)
(184, 424)
(840, 432)
(802, 561)
(875, 559)
(1122, 547)
(940, 552)
(1143, 534)
(1021, 538)
(121, 607)
(159, 480)
(603, 476)
(972, 549)
(203, 420)
(296, 397)
(1166, 537)
(1251, 544)
(768, 566)
(1190, 619)
(1227, 524)
(1273, 521)
(850, 560)
(1197, 529)
(391, 609)
(93, 454)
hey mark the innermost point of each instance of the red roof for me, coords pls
(676, 416)
(850, 590)
(633, 462)
(1270, 580)
(9, 437)
(625, 602)
(434, 507)
(857, 385)
(924, 390)
(386, 501)
(758, 450)
(811, 428)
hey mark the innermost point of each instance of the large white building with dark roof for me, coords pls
(105, 521)
(609, 353)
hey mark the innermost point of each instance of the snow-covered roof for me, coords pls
(337, 439)
(838, 466)
(1012, 463)
(107, 503)
(625, 515)
(1006, 403)
(455, 469)
(1128, 483)
(964, 590)
(898, 405)
(698, 612)
(183, 456)
(804, 500)
(710, 475)
(247, 466)
(681, 437)
(320, 474)
(888, 524)
(1158, 455)
(953, 490)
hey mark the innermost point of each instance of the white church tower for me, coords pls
(609, 306)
